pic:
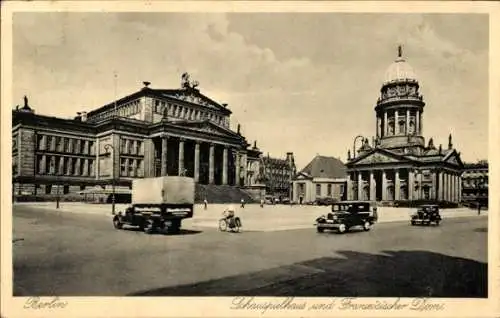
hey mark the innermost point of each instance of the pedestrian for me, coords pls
(205, 203)
(242, 203)
(478, 208)
(261, 203)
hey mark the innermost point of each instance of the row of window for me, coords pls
(126, 110)
(329, 188)
(65, 144)
(131, 146)
(178, 111)
(64, 166)
(131, 167)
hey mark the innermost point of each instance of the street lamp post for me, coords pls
(107, 147)
(53, 166)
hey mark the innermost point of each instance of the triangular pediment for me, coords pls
(453, 158)
(193, 96)
(302, 176)
(378, 156)
(209, 127)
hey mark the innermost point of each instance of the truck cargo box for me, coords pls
(163, 190)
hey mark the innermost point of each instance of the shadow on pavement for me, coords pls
(481, 230)
(395, 274)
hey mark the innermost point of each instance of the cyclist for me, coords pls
(229, 212)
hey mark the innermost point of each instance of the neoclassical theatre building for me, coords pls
(152, 132)
(398, 165)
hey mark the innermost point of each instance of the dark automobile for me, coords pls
(426, 214)
(346, 215)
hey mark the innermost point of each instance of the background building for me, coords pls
(475, 183)
(323, 177)
(277, 175)
(398, 165)
(152, 132)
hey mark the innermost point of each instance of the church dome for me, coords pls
(399, 70)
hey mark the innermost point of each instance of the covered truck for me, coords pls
(158, 203)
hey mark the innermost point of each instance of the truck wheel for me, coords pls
(366, 226)
(320, 229)
(342, 228)
(117, 222)
(148, 226)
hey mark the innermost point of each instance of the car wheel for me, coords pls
(320, 229)
(148, 226)
(117, 222)
(342, 228)
(366, 226)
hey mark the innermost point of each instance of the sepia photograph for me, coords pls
(264, 157)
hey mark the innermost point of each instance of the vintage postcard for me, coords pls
(244, 159)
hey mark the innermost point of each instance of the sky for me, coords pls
(300, 82)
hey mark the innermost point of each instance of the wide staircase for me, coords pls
(220, 194)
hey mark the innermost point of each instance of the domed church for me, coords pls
(398, 164)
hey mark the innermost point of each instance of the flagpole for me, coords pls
(115, 84)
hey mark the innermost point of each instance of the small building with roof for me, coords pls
(398, 165)
(324, 177)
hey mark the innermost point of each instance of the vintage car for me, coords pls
(346, 215)
(425, 215)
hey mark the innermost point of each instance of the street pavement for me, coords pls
(81, 254)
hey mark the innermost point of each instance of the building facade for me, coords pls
(276, 174)
(475, 182)
(324, 177)
(398, 165)
(152, 132)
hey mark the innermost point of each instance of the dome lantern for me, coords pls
(399, 70)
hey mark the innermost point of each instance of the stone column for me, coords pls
(68, 168)
(244, 167)
(407, 125)
(43, 165)
(77, 167)
(197, 161)
(446, 187)
(164, 151)
(397, 185)
(360, 186)
(384, 186)
(211, 165)
(224, 165)
(417, 122)
(97, 161)
(349, 187)
(396, 124)
(385, 124)
(459, 188)
(419, 194)
(377, 128)
(440, 186)
(237, 174)
(434, 184)
(181, 156)
(411, 184)
(85, 167)
(373, 186)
